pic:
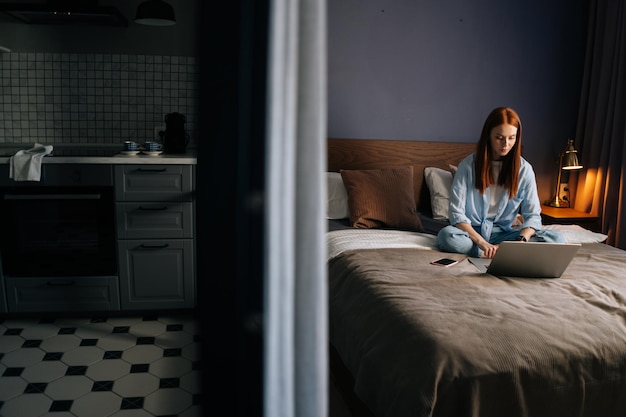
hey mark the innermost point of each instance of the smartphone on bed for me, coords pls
(445, 262)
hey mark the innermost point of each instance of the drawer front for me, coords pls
(153, 183)
(25, 294)
(154, 220)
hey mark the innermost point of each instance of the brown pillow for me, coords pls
(382, 198)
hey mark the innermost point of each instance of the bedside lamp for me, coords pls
(568, 160)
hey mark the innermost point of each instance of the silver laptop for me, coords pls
(528, 259)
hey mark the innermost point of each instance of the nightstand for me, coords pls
(566, 215)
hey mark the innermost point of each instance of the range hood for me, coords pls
(65, 12)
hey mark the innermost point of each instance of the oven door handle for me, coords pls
(52, 196)
(60, 283)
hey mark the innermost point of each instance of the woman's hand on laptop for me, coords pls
(489, 250)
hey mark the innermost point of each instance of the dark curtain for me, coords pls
(232, 42)
(601, 130)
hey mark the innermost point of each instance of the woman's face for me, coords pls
(502, 139)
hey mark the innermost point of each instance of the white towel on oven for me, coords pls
(25, 165)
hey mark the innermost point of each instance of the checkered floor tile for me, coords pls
(99, 366)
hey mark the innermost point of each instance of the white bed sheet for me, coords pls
(343, 240)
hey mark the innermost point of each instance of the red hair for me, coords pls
(509, 173)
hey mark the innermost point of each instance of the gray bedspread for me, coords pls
(422, 340)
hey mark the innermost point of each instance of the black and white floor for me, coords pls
(100, 366)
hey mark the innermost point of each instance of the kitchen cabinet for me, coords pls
(136, 254)
(155, 230)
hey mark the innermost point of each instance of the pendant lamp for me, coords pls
(155, 13)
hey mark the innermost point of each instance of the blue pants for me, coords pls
(454, 240)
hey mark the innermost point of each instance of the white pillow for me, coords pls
(438, 182)
(574, 233)
(337, 202)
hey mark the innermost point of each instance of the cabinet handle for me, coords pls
(152, 208)
(60, 283)
(151, 170)
(165, 245)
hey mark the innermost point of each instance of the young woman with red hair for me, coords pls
(490, 189)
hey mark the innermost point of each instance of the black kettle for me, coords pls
(175, 138)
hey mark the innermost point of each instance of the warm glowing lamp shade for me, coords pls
(155, 13)
(568, 160)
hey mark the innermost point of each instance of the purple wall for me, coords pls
(432, 70)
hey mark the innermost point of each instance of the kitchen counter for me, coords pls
(178, 159)
(77, 154)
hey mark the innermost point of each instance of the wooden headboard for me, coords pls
(376, 153)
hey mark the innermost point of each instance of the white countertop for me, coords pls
(188, 158)
(183, 159)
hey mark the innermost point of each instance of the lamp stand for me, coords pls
(556, 201)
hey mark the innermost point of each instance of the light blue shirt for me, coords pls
(467, 205)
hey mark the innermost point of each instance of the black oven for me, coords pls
(61, 226)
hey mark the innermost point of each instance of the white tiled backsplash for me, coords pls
(55, 98)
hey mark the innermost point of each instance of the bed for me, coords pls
(409, 339)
